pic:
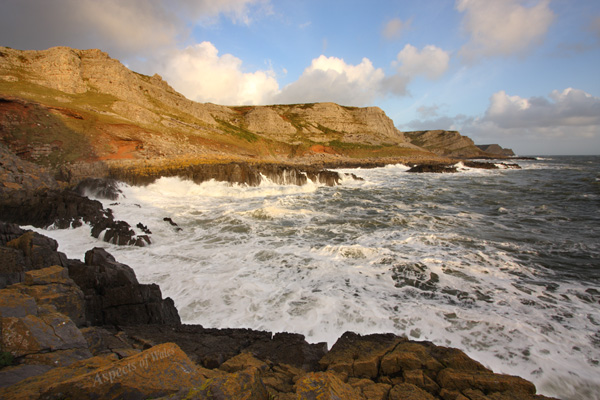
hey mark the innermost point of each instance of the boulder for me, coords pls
(52, 287)
(212, 347)
(35, 385)
(436, 168)
(407, 391)
(21, 251)
(156, 372)
(359, 356)
(47, 331)
(326, 386)
(486, 381)
(242, 385)
(14, 303)
(113, 294)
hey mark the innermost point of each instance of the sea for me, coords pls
(503, 264)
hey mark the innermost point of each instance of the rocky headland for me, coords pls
(72, 124)
(82, 113)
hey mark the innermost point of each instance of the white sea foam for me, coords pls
(397, 252)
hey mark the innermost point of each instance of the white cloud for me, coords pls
(431, 61)
(569, 108)
(332, 79)
(502, 27)
(123, 28)
(564, 122)
(394, 27)
(201, 74)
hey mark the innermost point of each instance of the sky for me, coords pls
(521, 73)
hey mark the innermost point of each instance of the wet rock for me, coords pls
(436, 168)
(172, 223)
(415, 275)
(100, 188)
(290, 348)
(143, 228)
(212, 347)
(114, 296)
(480, 165)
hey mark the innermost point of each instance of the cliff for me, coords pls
(445, 143)
(495, 149)
(62, 105)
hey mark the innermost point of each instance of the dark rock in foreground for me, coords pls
(29, 195)
(142, 351)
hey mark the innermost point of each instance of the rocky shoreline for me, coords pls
(73, 329)
(89, 329)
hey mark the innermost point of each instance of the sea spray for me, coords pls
(500, 263)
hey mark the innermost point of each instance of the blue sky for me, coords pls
(521, 73)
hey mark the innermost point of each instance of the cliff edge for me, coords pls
(64, 105)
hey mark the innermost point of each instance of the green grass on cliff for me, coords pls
(237, 131)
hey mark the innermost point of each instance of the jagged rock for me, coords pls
(156, 372)
(46, 331)
(143, 228)
(23, 251)
(437, 168)
(243, 361)
(409, 357)
(12, 266)
(13, 303)
(370, 389)
(252, 364)
(242, 385)
(99, 188)
(114, 296)
(14, 374)
(52, 287)
(486, 381)
(407, 391)
(480, 165)
(212, 347)
(326, 386)
(42, 204)
(359, 356)
(34, 386)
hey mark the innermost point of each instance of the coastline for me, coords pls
(113, 323)
(105, 325)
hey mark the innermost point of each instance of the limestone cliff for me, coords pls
(445, 143)
(87, 106)
(495, 149)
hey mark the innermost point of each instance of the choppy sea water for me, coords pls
(503, 264)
